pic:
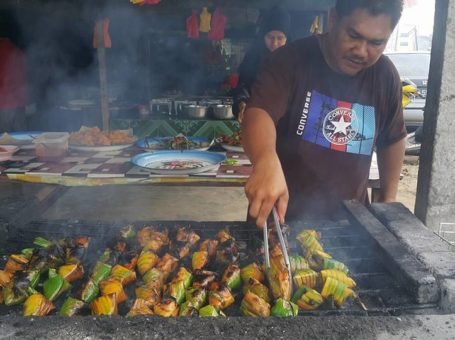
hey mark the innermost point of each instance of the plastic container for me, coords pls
(51, 145)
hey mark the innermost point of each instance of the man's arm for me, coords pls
(390, 160)
(266, 186)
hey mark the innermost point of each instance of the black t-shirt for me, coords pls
(327, 123)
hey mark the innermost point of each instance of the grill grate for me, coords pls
(344, 240)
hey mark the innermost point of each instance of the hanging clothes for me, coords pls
(192, 26)
(217, 25)
(206, 17)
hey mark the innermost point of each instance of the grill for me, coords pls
(382, 292)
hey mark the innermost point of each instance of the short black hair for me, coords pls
(392, 8)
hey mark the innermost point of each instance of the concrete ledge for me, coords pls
(447, 295)
(403, 265)
(435, 253)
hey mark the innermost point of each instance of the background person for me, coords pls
(318, 109)
(273, 34)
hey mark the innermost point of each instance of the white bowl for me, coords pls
(6, 151)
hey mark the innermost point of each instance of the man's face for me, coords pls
(357, 41)
(274, 39)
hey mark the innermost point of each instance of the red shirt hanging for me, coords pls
(12, 76)
(217, 26)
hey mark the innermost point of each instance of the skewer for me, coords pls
(266, 247)
(282, 243)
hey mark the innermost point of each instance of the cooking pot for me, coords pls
(223, 112)
(196, 111)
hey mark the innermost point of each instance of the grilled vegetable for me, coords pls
(123, 275)
(336, 289)
(167, 264)
(253, 305)
(71, 272)
(186, 309)
(104, 305)
(26, 282)
(176, 290)
(186, 235)
(90, 291)
(185, 276)
(306, 277)
(37, 305)
(297, 263)
(257, 288)
(279, 282)
(210, 246)
(154, 278)
(5, 278)
(55, 285)
(100, 272)
(283, 308)
(231, 277)
(223, 236)
(152, 239)
(196, 297)
(309, 241)
(12, 296)
(166, 308)
(150, 295)
(208, 311)
(307, 298)
(42, 242)
(334, 264)
(339, 276)
(71, 307)
(199, 260)
(252, 271)
(113, 287)
(16, 263)
(140, 307)
(220, 297)
(146, 261)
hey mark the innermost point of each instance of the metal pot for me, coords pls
(223, 112)
(196, 111)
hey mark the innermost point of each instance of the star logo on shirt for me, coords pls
(340, 126)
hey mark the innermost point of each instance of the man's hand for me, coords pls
(390, 160)
(266, 186)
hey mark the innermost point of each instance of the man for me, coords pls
(319, 107)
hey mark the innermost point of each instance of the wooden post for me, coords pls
(104, 95)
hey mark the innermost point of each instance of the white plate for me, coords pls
(232, 148)
(99, 148)
(158, 161)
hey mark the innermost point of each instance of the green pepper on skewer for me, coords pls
(209, 311)
(12, 296)
(252, 271)
(90, 292)
(185, 276)
(27, 252)
(26, 281)
(176, 290)
(307, 298)
(186, 309)
(55, 285)
(231, 277)
(257, 288)
(334, 264)
(100, 272)
(42, 242)
(196, 297)
(71, 307)
(283, 308)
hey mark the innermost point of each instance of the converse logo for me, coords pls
(340, 126)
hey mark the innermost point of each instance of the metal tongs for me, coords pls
(283, 247)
